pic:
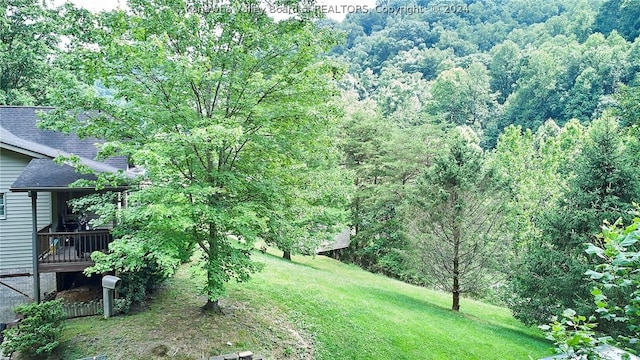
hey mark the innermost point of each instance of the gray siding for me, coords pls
(16, 228)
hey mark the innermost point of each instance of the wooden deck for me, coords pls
(70, 251)
(64, 259)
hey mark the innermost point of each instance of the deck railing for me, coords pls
(75, 246)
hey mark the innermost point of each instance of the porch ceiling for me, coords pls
(44, 175)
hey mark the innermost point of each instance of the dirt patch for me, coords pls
(175, 327)
(80, 294)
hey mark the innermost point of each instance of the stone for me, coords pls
(245, 355)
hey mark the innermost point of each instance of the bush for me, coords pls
(38, 333)
(140, 269)
(137, 285)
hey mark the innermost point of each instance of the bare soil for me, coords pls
(174, 326)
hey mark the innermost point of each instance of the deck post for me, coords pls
(34, 245)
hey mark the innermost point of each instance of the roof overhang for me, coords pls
(44, 175)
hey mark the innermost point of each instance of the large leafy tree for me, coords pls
(463, 96)
(533, 168)
(28, 38)
(221, 107)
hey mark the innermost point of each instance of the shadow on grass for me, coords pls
(270, 255)
(399, 300)
(411, 303)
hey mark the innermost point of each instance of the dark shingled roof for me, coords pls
(18, 132)
(46, 175)
(21, 122)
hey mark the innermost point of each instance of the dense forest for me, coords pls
(479, 151)
(545, 97)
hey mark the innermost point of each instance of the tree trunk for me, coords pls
(455, 305)
(456, 295)
(286, 255)
(455, 291)
(212, 306)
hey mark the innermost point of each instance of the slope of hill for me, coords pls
(311, 308)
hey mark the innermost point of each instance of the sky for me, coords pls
(334, 9)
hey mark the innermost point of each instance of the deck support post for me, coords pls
(34, 245)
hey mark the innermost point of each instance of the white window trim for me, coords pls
(3, 215)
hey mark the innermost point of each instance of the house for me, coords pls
(41, 239)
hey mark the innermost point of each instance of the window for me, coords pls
(3, 206)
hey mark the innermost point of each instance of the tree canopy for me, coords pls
(29, 36)
(227, 112)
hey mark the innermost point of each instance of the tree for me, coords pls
(620, 15)
(400, 95)
(629, 107)
(28, 38)
(316, 208)
(385, 158)
(504, 67)
(550, 275)
(616, 295)
(38, 333)
(463, 96)
(220, 106)
(366, 142)
(430, 61)
(533, 168)
(535, 98)
(455, 220)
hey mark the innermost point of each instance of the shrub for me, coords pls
(137, 285)
(140, 269)
(616, 296)
(38, 333)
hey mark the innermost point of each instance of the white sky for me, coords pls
(334, 9)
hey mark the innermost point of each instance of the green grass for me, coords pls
(310, 308)
(355, 314)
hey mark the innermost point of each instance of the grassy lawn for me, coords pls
(311, 308)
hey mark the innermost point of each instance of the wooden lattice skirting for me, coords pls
(90, 308)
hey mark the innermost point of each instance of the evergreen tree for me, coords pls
(551, 275)
(454, 221)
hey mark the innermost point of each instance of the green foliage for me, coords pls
(533, 167)
(138, 283)
(621, 16)
(617, 295)
(504, 67)
(222, 110)
(146, 249)
(542, 61)
(629, 107)
(573, 335)
(463, 96)
(549, 276)
(455, 221)
(316, 208)
(29, 35)
(385, 158)
(38, 333)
